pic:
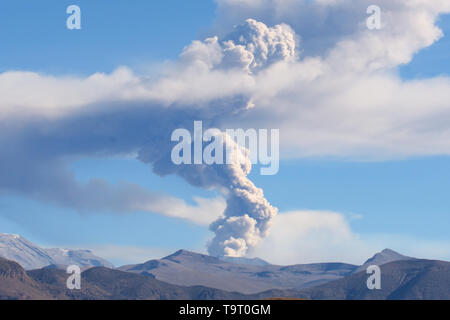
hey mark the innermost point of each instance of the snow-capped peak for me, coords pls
(30, 256)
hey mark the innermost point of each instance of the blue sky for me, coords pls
(113, 33)
(403, 197)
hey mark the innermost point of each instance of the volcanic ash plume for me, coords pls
(248, 214)
(251, 48)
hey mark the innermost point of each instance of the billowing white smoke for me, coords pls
(254, 45)
(246, 220)
(251, 47)
(248, 214)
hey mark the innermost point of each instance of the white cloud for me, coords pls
(344, 100)
(26, 94)
(299, 237)
(311, 237)
(374, 116)
(203, 213)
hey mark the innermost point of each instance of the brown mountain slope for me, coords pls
(400, 280)
(16, 284)
(97, 284)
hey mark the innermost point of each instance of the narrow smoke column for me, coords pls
(248, 214)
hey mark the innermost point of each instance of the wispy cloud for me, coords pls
(318, 236)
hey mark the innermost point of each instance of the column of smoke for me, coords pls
(248, 214)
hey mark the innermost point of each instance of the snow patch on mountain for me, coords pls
(30, 256)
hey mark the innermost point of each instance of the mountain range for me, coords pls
(98, 283)
(189, 268)
(191, 276)
(400, 280)
(405, 279)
